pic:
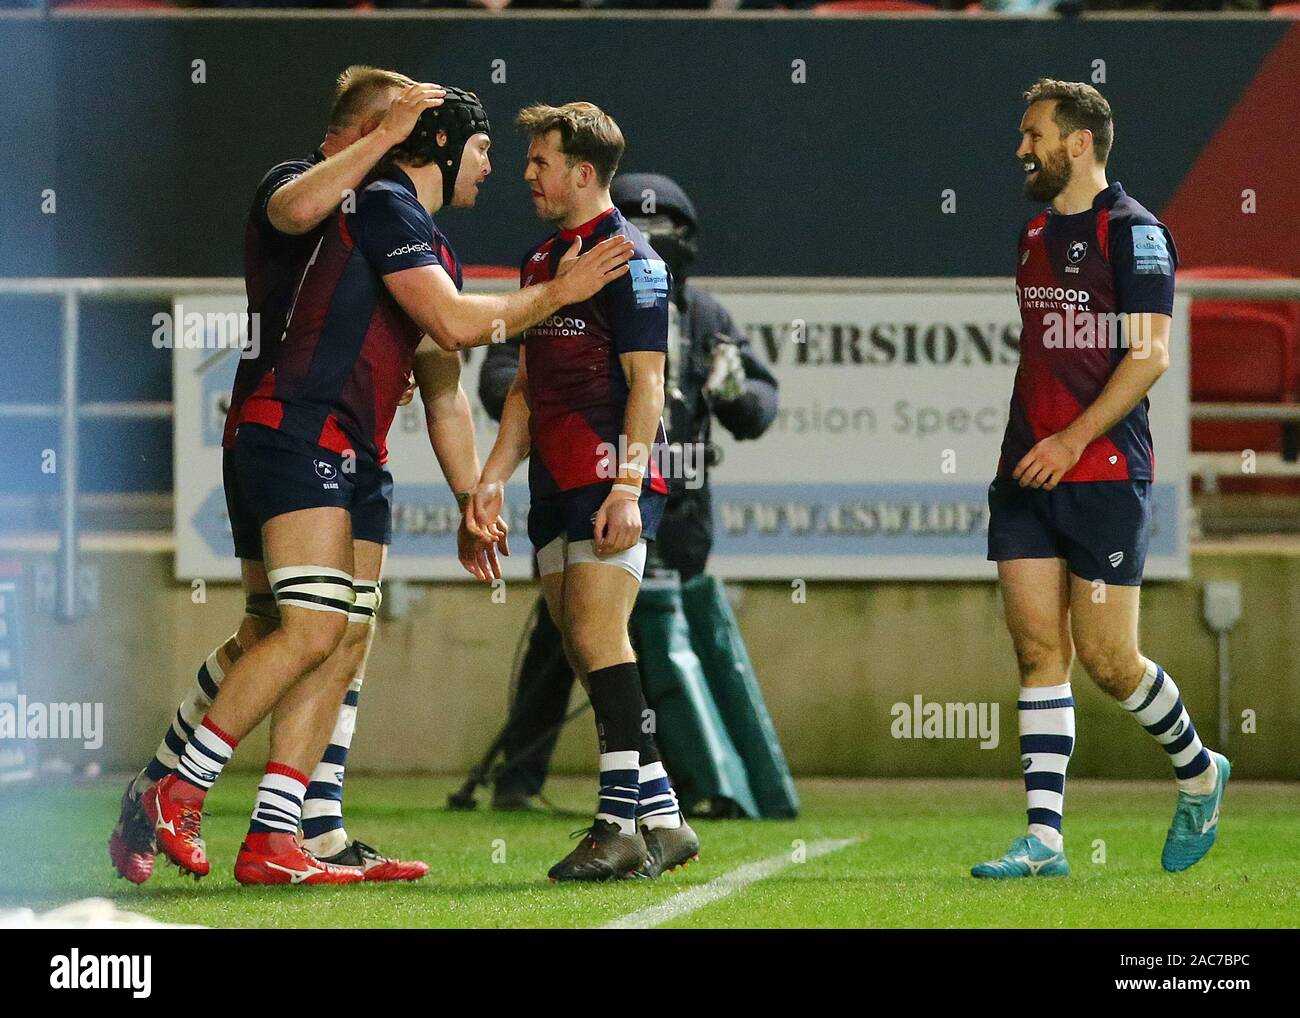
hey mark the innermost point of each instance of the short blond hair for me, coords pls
(587, 134)
(359, 91)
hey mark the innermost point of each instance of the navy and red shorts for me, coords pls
(269, 473)
(1100, 528)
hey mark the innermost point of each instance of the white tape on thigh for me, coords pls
(318, 588)
(366, 605)
(550, 558)
(631, 559)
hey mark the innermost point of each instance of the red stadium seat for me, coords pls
(1242, 351)
(1286, 309)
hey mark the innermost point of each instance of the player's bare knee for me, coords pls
(1115, 668)
(590, 646)
(352, 646)
(316, 637)
(1042, 659)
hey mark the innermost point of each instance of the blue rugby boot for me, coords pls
(1027, 857)
(1196, 822)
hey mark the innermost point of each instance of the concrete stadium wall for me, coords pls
(831, 670)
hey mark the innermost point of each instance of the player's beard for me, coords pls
(549, 212)
(1052, 177)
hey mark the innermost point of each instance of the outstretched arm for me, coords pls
(457, 320)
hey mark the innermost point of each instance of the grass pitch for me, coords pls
(911, 844)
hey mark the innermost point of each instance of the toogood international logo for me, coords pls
(1055, 294)
(562, 325)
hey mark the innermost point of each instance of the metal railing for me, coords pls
(69, 412)
(73, 291)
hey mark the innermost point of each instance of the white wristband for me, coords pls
(627, 489)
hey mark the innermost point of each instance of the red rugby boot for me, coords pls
(131, 846)
(175, 808)
(376, 866)
(278, 859)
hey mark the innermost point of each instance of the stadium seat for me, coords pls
(1240, 355)
(1242, 352)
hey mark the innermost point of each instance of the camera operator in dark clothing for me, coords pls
(711, 372)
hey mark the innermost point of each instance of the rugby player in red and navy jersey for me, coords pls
(373, 109)
(1070, 508)
(309, 454)
(586, 403)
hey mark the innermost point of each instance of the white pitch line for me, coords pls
(720, 887)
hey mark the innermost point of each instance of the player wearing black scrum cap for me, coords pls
(310, 449)
(373, 109)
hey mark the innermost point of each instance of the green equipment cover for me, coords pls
(698, 753)
(737, 695)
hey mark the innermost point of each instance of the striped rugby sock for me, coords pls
(1046, 715)
(1158, 707)
(197, 703)
(657, 802)
(278, 807)
(205, 755)
(657, 806)
(619, 789)
(323, 832)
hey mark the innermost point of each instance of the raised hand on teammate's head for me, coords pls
(479, 557)
(618, 524)
(580, 276)
(407, 107)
